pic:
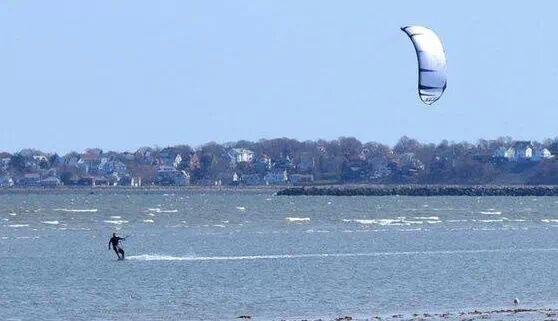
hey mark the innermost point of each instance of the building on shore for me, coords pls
(301, 179)
(170, 176)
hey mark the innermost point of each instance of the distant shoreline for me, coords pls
(422, 190)
(138, 190)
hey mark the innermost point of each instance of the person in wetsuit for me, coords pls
(115, 242)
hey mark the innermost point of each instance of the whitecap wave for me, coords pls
(491, 212)
(298, 219)
(241, 208)
(148, 221)
(491, 221)
(51, 222)
(117, 222)
(399, 221)
(70, 210)
(18, 225)
(159, 210)
(432, 218)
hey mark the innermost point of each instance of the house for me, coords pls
(239, 155)
(522, 151)
(50, 182)
(177, 161)
(101, 181)
(6, 181)
(301, 179)
(109, 167)
(541, 154)
(168, 175)
(135, 181)
(90, 161)
(235, 178)
(120, 179)
(276, 178)
(93, 181)
(29, 180)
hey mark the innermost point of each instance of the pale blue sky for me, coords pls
(123, 74)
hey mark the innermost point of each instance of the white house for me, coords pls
(242, 155)
(177, 161)
(522, 151)
(135, 182)
(541, 154)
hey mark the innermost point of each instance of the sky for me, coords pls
(129, 73)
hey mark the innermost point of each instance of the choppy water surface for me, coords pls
(213, 255)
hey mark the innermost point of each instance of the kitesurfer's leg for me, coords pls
(116, 251)
(121, 253)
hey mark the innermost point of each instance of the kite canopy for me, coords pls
(432, 80)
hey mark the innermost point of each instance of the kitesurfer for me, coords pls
(115, 242)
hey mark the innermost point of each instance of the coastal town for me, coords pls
(289, 162)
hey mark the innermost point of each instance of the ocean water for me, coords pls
(219, 255)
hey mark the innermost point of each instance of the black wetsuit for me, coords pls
(114, 241)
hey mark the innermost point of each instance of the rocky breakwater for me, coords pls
(422, 190)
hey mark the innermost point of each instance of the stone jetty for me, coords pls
(422, 190)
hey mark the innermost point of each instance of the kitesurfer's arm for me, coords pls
(109, 245)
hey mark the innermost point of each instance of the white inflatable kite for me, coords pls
(431, 63)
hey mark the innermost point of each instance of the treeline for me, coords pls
(289, 161)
